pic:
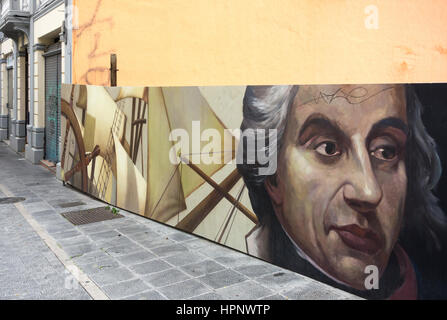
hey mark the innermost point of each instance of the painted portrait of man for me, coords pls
(352, 189)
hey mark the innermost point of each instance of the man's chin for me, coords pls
(352, 271)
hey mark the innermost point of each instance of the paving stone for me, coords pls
(132, 229)
(215, 251)
(281, 281)
(180, 236)
(184, 290)
(77, 250)
(150, 267)
(245, 290)
(222, 278)
(184, 258)
(257, 269)
(31, 200)
(110, 276)
(208, 296)
(105, 235)
(100, 266)
(65, 234)
(202, 268)
(94, 227)
(122, 222)
(43, 213)
(274, 297)
(118, 241)
(59, 227)
(50, 219)
(90, 257)
(164, 278)
(47, 278)
(148, 295)
(124, 249)
(78, 295)
(315, 291)
(159, 228)
(143, 236)
(135, 258)
(169, 250)
(78, 240)
(125, 288)
(155, 243)
(234, 260)
(37, 206)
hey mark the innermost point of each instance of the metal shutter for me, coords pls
(52, 105)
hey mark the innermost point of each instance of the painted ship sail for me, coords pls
(127, 133)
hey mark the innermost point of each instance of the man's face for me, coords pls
(340, 187)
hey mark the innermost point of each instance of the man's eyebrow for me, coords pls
(390, 122)
(321, 122)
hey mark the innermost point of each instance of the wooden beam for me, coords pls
(132, 128)
(250, 215)
(64, 150)
(68, 112)
(201, 211)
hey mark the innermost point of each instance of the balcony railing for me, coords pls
(25, 5)
(15, 7)
(14, 16)
(5, 7)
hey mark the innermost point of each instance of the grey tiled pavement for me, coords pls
(127, 258)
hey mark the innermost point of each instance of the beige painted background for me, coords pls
(239, 42)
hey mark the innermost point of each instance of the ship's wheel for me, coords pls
(77, 157)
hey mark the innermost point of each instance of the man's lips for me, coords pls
(359, 238)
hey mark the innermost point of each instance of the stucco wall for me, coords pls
(260, 42)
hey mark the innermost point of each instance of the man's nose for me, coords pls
(362, 191)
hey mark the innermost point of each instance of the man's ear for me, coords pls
(273, 189)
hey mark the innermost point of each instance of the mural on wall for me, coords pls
(93, 26)
(336, 182)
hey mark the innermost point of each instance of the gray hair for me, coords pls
(267, 107)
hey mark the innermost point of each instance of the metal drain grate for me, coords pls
(71, 204)
(11, 200)
(90, 215)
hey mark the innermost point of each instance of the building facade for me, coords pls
(35, 58)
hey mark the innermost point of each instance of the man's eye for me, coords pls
(386, 153)
(328, 149)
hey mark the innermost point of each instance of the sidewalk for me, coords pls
(43, 256)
